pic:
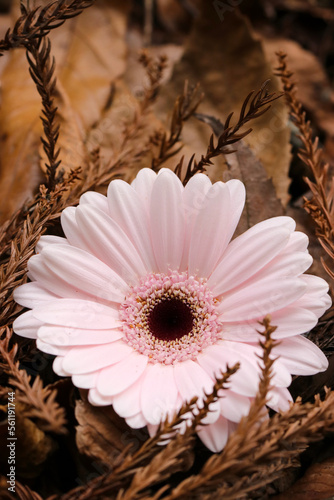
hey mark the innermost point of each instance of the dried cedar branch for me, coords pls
(121, 476)
(321, 206)
(39, 401)
(255, 105)
(38, 22)
(184, 108)
(41, 69)
(46, 208)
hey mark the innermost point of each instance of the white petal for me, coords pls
(136, 421)
(32, 294)
(301, 356)
(192, 380)
(49, 239)
(85, 272)
(127, 403)
(65, 336)
(215, 359)
(108, 242)
(238, 197)
(233, 406)
(128, 210)
(193, 199)
(77, 314)
(260, 298)
(121, 375)
(167, 221)
(210, 232)
(96, 399)
(159, 393)
(215, 436)
(71, 230)
(27, 325)
(88, 359)
(143, 185)
(95, 199)
(85, 380)
(245, 256)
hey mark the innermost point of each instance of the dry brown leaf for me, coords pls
(229, 63)
(86, 68)
(314, 89)
(101, 434)
(261, 199)
(316, 484)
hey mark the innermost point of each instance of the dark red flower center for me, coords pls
(170, 320)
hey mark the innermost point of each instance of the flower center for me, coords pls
(170, 318)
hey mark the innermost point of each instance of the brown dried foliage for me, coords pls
(320, 207)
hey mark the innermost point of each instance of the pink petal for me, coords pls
(121, 375)
(167, 221)
(27, 325)
(96, 399)
(290, 321)
(193, 198)
(286, 265)
(32, 294)
(280, 399)
(214, 360)
(233, 406)
(245, 256)
(97, 200)
(85, 380)
(136, 421)
(71, 230)
(128, 210)
(89, 359)
(57, 367)
(301, 356)
(127, 403)
(260, 298)
(192, 380)
(298, 242)
(108, 242)
(77, 314)
(143, 185)
(49, 239)
(159, 393)
(51, 349)
(215, 436)
(65, 336)
(39, 272)
(237, 196)
(210, 232)
(85, 272)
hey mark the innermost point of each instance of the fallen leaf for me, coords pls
(229, 63)
(316, 484)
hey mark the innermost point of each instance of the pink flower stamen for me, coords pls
(170, 318)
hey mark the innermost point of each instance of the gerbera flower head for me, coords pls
(146, 299)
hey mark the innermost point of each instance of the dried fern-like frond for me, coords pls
(252, 108)
(39, 401)
(320, 207)
(38, 22)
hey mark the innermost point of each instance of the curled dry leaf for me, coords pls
(316, 484)
(236, 66)
(101, 434)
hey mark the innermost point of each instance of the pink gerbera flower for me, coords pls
(146, 299)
